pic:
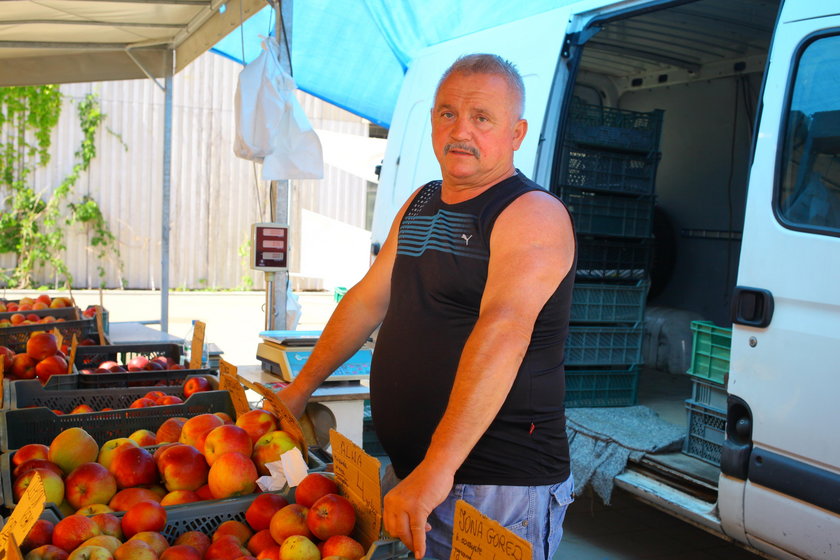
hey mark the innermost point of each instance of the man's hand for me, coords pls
(408, 505)
(294, 399)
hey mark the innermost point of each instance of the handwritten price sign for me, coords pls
(357, 475)
(477, 537)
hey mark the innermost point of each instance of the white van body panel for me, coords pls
(533, 44)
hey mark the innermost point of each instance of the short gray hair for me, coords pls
(482, 63)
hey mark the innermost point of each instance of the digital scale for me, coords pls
(284, 353)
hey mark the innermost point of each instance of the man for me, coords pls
(472, 289)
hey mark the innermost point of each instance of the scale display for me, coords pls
(269, 246)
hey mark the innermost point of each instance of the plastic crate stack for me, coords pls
(706, 409)
(608, 169)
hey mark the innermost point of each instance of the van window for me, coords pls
(809, 194)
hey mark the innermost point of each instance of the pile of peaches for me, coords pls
(22, 310)
(206, 457)
(316, 526)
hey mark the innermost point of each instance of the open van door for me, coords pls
(533, 44)
(780, 481)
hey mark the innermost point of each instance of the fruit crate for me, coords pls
(608, 303)
(618, 129)
(40, 425)
(92, 356)
(66, 313)
(600, 214)
(612, 259)
(604, 345)
(609, 172)
(710, 351)
(150, 379)
(601, 387)
(15, 337)
(710, 394)
(706, 432)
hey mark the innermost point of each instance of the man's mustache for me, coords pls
(462, 147)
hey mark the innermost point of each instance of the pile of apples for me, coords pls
(20, 308)
(137, 363)
(315, 527)
(206, 457)
(42, 359)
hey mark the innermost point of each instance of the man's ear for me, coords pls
(520, 129)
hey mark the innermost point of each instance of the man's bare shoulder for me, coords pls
(537, 207)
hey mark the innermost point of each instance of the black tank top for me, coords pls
(436, 286)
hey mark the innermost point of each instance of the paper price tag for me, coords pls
(99, 328)
(477, 537)
(26, 513)
(229, 381)
(73, 346)
(197, 348)
(59, 338)
(357, 475)
(288, 422)
(2, 379)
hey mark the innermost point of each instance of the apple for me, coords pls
(108, 364)
(20, 470)
(195, 539)
(331, 515)
(91, 552)
(127, 497)
(262, 509)
(154, 539)
(227, 547)
(180, 497)
(82, 409)
(225, 417)
(196, 384)
(299, 547)
(135, 549)
(170, 430)
(269, 553)
(109, 524)
(290, 520)
(170, 399)
(39, 535)
(143, 437)
(137, 363)
(58, 302)
(270, 447)
(182, 467)
(30, 451)
(23, 366)
(73, 530)
(108, 449)
(196, 428)
(89, 483)
(71, 448)
(181, 552)
(261, 540)
(257, 422)
(93, 509)
(46, 552)
(41, 345)
(133, 466)
(234, 528)
(204, 492)
(105, 541)
(344, 546)
(49, 366)
(225, 439)
(53, 485)
(147, 515)
(17, 319)
(142, 402)
(6, 354)
(232, 474)
(312, 487)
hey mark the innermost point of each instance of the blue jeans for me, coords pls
(534, 513)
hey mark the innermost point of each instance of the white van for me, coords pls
(746, 226)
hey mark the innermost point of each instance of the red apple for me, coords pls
(169, 399)
(232, 474)
(299, 547)
(170, 430)
(181, 552)
(6, 355)
(234, 528)
(92, 509)
(23, 366)
(195, 539)
(82, 409)
(270, 447)
(73, 447)
(196, 384)
(262, 509)
(225, 548)
(179, 497)
(41, 345)
(105, 541)
(331, 515)
(269, 553)
(154, 539)
(126, 498)
(182, 467)
(143, 516)
(204, 492)
(39, 535)
(135, 549)
(225, 439)
(142, 402)
(133, 466)
(109, 449)
(137, 363)
(344, 546)
(49, 366)
(89, 483)
(36, 464)
(225, 417)
(30, 451)
(143, 437)
(109, 524)
(290, 520)
(261, 540)
(257, 422)
(196, 428)
(53, 485)
(312, 487)
(47, 552)
(73, 530)
(90, 552)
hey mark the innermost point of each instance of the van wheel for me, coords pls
(664, 252)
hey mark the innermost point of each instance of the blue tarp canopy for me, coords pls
(354, 53)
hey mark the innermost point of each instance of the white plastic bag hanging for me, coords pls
(271, 127)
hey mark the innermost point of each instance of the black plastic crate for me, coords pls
(608, 303)
(605, 171)
(612, 259)
(595, 345)
(706, 432)
(619, 129)
(92, 356)
(601, 387)
(601, 214)
(16, 337)
(40, 425)
(66, 313)
(709, 393)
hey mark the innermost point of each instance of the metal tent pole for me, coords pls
(167, 161)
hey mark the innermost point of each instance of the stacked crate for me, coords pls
(706, 409)
(607, 174)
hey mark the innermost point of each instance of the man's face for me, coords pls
(475, 129)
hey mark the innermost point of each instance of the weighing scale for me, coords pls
(283, 353)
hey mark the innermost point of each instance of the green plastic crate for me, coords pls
(604, 346)
(710, 351)
(608, 303)
(601, 214)
(601, 387)
(613, 128)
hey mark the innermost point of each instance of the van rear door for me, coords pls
(532, 44)
(782, 456)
